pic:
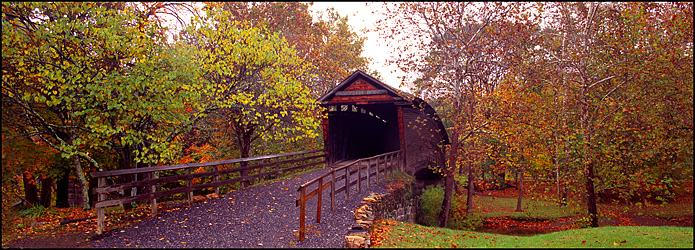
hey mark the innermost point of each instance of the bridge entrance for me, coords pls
(361, 131)
(365, 117)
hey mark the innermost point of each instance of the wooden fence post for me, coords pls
(387, 163)
(368, 174)
(277, 169)
(318, 203)
(153, 201)
(188, 184)
(359, 177)
(302, 212)
(216, 179)
(377, 169)
(101, 182)
(401, 164)
(347, 182)
(332, 190)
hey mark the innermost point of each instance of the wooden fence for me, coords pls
(235, 171)
(372, 166)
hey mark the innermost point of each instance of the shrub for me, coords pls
(33, 212)
(431, 205)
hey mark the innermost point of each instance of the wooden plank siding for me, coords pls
(361, 99)
(411, 124)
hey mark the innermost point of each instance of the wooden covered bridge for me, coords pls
(366, 117)
(368, 126)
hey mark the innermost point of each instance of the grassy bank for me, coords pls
(389, 234)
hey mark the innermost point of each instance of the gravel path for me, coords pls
(260, 216)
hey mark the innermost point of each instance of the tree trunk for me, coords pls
(125, 163)
(591, 201)
(245, 148)
(450, 171)
(46, 190)
(449, 181)
(586, 127)
(520, 185)
(471, 186)
(62, 189)
(83, 181)
(30, 191)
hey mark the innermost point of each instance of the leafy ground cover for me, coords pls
(40, 227)
(544, 224)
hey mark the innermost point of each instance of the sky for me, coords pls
(360, 16)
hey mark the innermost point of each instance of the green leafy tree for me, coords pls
(93, 76)
(250, 82)
(329, 44)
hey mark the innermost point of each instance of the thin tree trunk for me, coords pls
(591, 194)
(520, 185)
(125, 163)
(450, 171)
(591, 202)
(471, 185)
(449, 181)
(83, 181)
(62, 189)
(30, 190)
(245, 148)
(46, 190)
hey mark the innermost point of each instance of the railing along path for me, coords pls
(381, 164)
(247, 168)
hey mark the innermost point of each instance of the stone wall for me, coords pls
(400, 204)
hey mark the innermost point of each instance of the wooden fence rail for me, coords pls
(372, 166)
(247, 168)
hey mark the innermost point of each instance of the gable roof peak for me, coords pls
(352, 78)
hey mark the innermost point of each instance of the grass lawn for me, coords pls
(395, 234)
(532, 209)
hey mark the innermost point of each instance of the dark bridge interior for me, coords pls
(360, 131)
(365, 117)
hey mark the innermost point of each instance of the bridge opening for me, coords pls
(365, 117)
(361, 131)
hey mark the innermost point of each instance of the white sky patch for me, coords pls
(362, 16)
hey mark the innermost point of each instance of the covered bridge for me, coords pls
(366, 117)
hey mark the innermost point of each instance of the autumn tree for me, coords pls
(88, 77)
(250, 82)
(329, 44)
(458, 50)
(595, 59)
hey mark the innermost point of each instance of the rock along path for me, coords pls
(262, 216)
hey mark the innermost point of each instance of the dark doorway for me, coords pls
(362, 131)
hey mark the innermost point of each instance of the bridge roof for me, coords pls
(378, 92)
(377, 88)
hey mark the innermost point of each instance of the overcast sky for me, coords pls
(360, 16)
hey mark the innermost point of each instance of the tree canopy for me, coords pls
(601, 91)
(109, 86)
